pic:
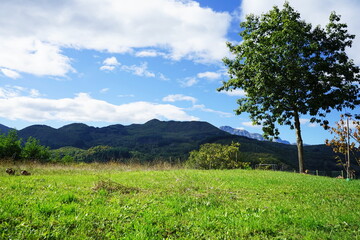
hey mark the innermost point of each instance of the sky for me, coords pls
(129, 61)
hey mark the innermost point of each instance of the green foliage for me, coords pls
(94, 154)
(216, 156)
(32, 150)
(287, 69)
(175, 204)
(10, 145)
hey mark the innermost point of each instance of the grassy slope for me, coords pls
(110, 202)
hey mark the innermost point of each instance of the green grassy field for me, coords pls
(122, 202)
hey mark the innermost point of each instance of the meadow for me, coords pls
(112, 201)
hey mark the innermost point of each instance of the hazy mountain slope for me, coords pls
(244, 133)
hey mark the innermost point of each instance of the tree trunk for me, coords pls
(299, 142)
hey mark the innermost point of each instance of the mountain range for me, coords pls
(169, 140)
(244, 133)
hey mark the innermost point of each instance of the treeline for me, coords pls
(94, 154)
(12, 147)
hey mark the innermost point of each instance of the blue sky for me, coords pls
(129, 61)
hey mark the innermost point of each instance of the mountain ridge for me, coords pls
(245, 133)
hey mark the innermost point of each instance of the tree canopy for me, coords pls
(287, 69)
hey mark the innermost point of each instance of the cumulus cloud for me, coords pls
(110, 64)
(10, 73)
(235, 93)
(209, 75)
(315, 12)
(179, 97)
(30, 55)
(36, 31)
(84, 108)
(111, 61)
(107, 68)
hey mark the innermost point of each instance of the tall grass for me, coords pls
(114, 201)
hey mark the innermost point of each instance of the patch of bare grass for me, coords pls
(111, 186)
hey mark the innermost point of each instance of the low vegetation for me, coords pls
(217, 156)
(117, 201)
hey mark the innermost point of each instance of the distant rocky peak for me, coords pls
(244, 133)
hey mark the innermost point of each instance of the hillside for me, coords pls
(4, 129)
(116, 201)
(173, 140)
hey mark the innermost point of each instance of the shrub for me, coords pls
(216, 156)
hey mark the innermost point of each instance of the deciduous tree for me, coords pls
(288, 69)
(346, 138)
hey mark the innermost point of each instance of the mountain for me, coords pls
(173, 140)
(154, 138)
(244, 133)
(4, 129)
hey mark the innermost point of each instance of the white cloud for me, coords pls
(188, 82)
(111, 61)
(305, 121)
(84, 108)
(202, 108)
(179, 97)
(10, 73)
(149, 53)
(235, 93)
(30, 55)
(163, 77)
(16, 91)
(104, 90)
(107, 68)
(110, 64)
(36, 31)
(209, 75)
(316, 12)
(126, 95)
(251, 125)
(34, 93)
(140, 70)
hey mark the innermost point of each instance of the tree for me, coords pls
(32, 150)
(10, 145)
(288, 69)
(216, 156)
(346, 140)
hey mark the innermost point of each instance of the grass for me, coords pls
(113, 201)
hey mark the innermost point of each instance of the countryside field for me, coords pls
(110, 201)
